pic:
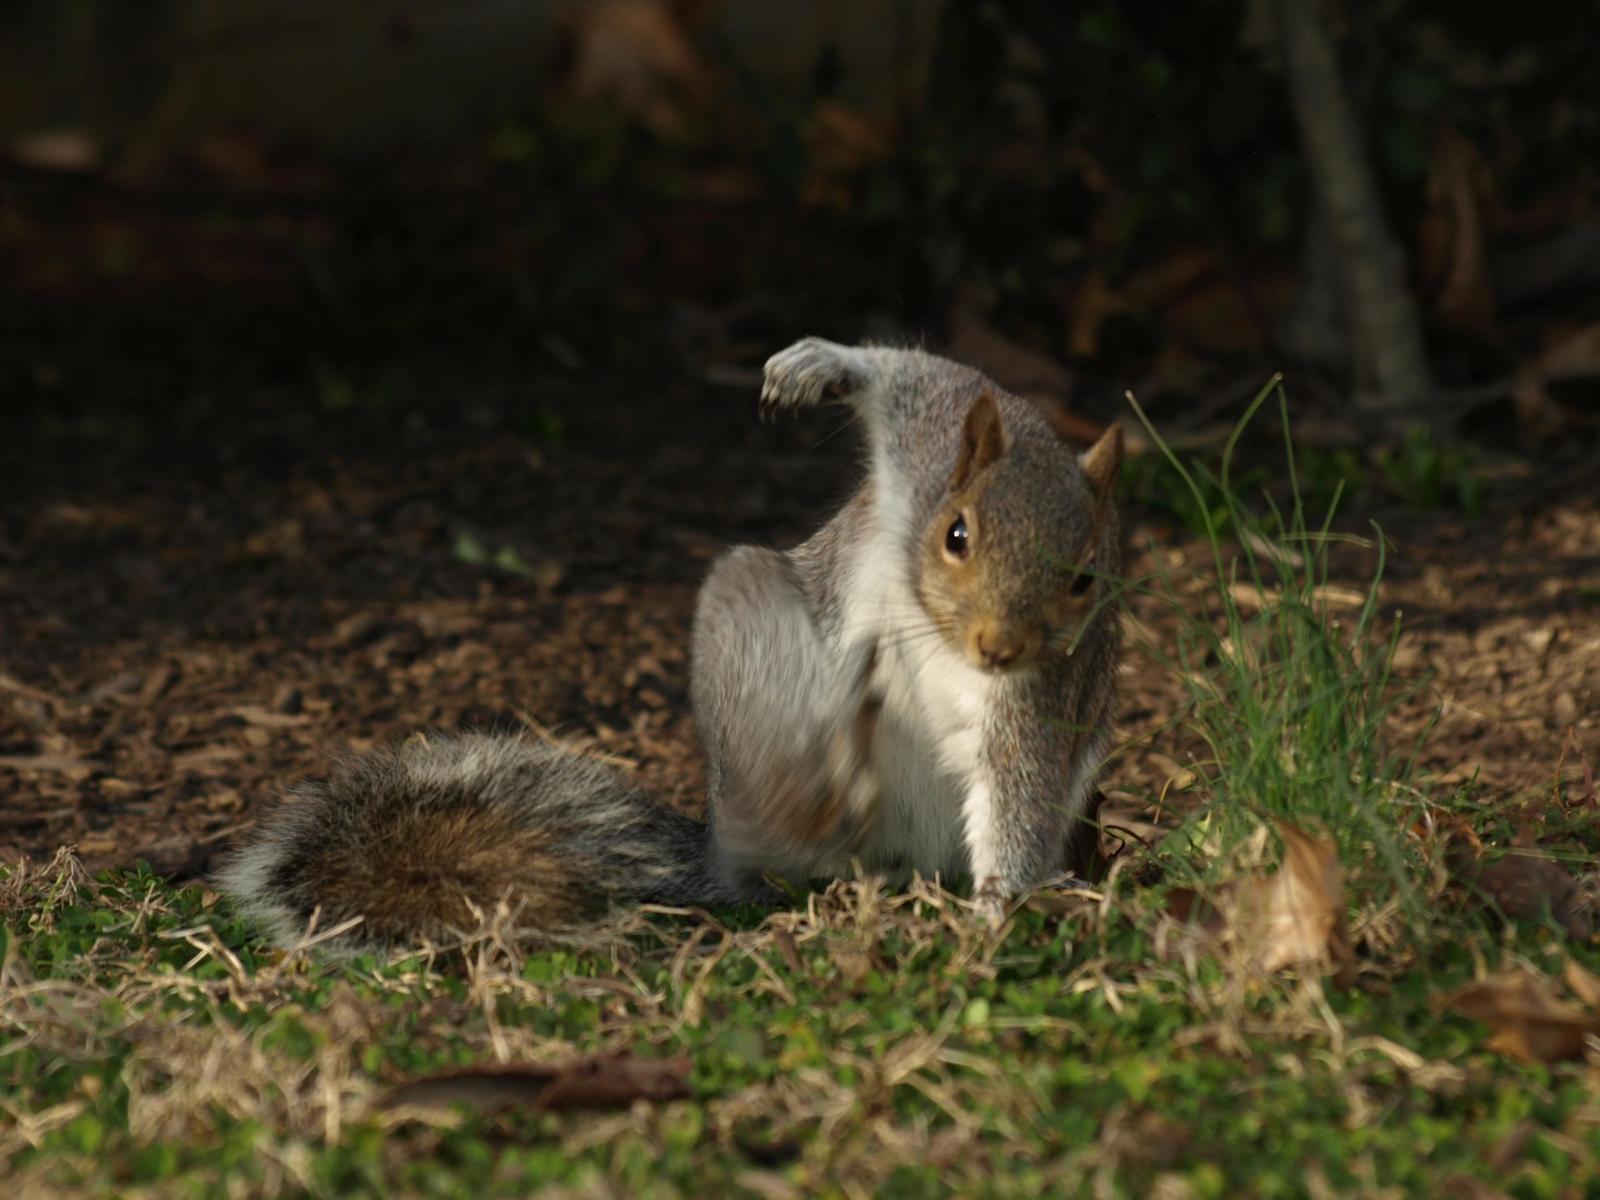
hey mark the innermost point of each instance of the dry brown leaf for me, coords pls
(1529, 1022)
(1248, 595)
(840, 143)
(1465, 1187)
(1582, 984)
(638, 55)
(614, 1081)
(1453, 263)
(1523, 886)
(1569, 353)
(1170, 278)
(255, 714)
(1015, 367)
(1090, 306)
(1204, 306)
(57, 150)
(11, 684)
(48, 764)
(1225, 317)
(1293, 917)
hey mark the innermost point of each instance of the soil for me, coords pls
(210, 585)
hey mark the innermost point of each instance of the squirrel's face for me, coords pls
(1014, 561)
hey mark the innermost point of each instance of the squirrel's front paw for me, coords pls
(805, 374)
(991, 902)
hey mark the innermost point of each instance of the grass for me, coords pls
(870, 1046)
(865, 1044)
(1285, 678)
(1417, 474)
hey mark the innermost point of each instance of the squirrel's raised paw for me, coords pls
(807, 373)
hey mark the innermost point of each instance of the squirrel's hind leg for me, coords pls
(787, 720)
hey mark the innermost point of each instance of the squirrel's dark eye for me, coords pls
(955, 538)
(1082, 583)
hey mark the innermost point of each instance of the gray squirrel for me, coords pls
(924, 684)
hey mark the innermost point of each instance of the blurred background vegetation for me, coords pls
(220, 203)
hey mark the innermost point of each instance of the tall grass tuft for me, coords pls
(1286, 679)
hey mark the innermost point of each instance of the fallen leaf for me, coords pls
(1293, 917)
(614, 1081)
(255, 714)
(1453, 263)
(1465, 1187)
(1569, 353)
(1582, 984)
(638, 55)
(1064, 901)
(48, 764)
(1248, 595)
(1185, 906)
(155, 683)
(1564, 710)
(1523, 886)
(11, 684)
(1014, 366)
(1087, 310)
(57, 150)
(841, 143)
(1528, 1021)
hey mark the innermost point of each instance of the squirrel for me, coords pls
(925, 684)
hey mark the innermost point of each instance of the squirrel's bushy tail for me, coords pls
(413, 839)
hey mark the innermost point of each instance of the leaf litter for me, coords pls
(1293, 916)
(1529, 1021)
(609, 1081)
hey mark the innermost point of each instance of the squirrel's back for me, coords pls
(421, 839)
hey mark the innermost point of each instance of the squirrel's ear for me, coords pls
(1101, 461)
(983, 440)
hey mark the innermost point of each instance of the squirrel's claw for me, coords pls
(805, 374)
(991, 903)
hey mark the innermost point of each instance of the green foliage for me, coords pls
(1065, 1059)
(1192, 498)
(1424, 474)
(1421, 473)
(1288, 695)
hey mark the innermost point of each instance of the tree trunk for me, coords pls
(1389, 362)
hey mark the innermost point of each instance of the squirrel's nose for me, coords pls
(997, 646)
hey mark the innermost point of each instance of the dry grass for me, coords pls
(867, 1044)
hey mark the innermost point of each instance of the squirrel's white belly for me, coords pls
(926, 753)
(929, 737)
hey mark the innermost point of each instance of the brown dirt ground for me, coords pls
(193, 618)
